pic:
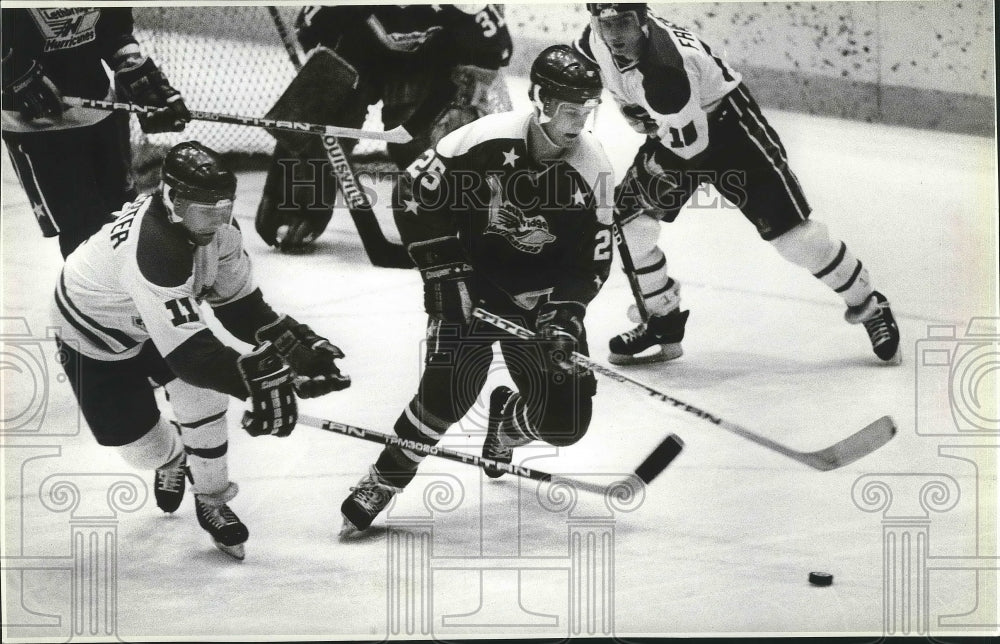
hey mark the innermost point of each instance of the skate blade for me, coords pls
(237, 552)
(663, 353)
(348, 530)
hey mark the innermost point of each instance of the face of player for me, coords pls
(622, 34)
(567, 122)
(202, 220)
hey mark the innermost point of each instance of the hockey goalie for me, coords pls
(434, 67)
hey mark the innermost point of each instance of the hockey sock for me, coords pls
(397, 464)
(809, 245)
(202, 417)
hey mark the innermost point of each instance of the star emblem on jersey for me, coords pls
(410, 205)
(510, 158)
(577, 198)
(526, 234)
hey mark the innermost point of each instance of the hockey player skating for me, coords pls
(702, 126)
(430, 65)
(511, 212)
(127, 309)
(75, 164)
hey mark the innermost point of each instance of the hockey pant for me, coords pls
(116, 399)
(748, 165)
(548, 406)
(76, 178)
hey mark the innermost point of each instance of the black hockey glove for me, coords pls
(33, 95)
(559, 329)
(273, 408)
(447, 279)
(146, 85)
(640, 120)
(310, 356)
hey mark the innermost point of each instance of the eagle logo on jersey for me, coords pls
(526, 234)
(66, 28)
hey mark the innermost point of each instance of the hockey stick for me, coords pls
(380, 250)
(398, 135)
(648, 470)
(859, 444)
(628, 265)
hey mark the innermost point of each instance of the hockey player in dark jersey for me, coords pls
(511, 213)
(75, 163)
(126, 309)
(702, 126)
(430, 65)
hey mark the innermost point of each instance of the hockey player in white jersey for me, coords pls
(702, 126)
(127, 310)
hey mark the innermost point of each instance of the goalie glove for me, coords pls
(559, 331)
(447, 279)
(146, 85)
(309, 355)
(33, 95)
(273, 408)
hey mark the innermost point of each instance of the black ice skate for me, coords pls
(493, 448)
(227, 531)
(168, 485)
(368, 498)
(662, 332)
(880, 324)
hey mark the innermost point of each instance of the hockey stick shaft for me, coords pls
(253, 121)
(628, 266)
(380, 250)
(863, 442)
(649, 469)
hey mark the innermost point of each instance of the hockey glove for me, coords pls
(559, 330)
(447, 279)
(273, 408)
(310, 356)
(146, 85)
(33, 95)
(640, 120)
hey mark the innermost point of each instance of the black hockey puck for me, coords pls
(820, 578)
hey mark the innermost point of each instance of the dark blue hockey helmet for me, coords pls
(195, 172)
(561, 73)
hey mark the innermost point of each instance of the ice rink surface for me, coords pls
(722, 542)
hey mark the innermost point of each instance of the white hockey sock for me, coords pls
(202, 417)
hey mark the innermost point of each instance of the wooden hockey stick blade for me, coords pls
(659, 458)
(856, 446)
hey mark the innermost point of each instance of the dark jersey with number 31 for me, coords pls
(528, 230)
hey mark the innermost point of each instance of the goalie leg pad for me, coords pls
(660, 293)
(202, 417)
(809, 245)
(158, 447)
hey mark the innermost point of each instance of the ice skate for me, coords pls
(227, 531)
(367, 499)
(493, 448)
(657, 340)
(169, 484)
(876, 315)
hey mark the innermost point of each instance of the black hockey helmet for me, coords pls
(195, 172)
(559, 72)
(608, 9)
